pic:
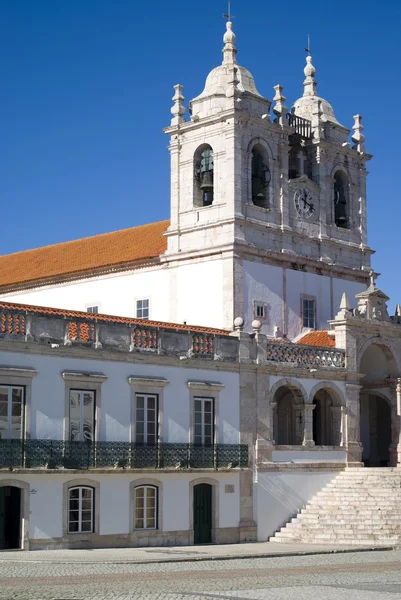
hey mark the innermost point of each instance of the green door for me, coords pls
(203, 514)
(2, 518)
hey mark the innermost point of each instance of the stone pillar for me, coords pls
(247, 525)
(353, 427)
(264, 420)
(395, 447)
(308, 425)
(338, 426)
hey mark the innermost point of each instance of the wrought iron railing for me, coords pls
(305, 355)
(303, 127)
(58, 454)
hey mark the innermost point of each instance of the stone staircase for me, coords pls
(360, 506)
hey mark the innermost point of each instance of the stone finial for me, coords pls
(344, 304)
(279, 109)
(345, 308)
(357, 137)
(309, 83)
(256, 326)
(178, 110)
(398, 310)
(229, 50)
(239, 324)
(317, 120)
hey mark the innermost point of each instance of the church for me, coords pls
(202, 379)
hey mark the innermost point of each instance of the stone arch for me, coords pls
(25, 495)
(288, 398)
(327, 420)
(204, 175)
(332, 388)
(388, 350)
(264, 150)
(291, 384)
(341, 167)
(215, 504)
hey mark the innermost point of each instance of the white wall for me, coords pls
(46, 501)
(266, 283)
(279, 496)
(116, 294)
(48, 396)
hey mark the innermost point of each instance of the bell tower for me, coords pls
(268, 210)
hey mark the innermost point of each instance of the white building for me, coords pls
(140, 429)
(268, 212)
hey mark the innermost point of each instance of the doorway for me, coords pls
(375, 430)
(10, 517)
(203, 514)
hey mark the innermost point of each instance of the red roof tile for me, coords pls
(79, 256)
(75, 314)
(318, 338)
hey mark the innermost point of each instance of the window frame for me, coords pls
(20, 377)
(257, 304)
(306, 298)
(148, 386)
(203, 400)
(81, 482)
(205, 389)
(81, 415)
(84, 382)
(142, 308)
(80, 509)
(89, 309)
(146, 487)
(10, 415)
(146, 396)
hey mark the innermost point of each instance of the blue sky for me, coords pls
(86, 89)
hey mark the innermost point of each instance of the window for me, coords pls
(204, 421)
(259, 310)
(204, 176)
(80, 510)
(146, 498)
(81, 417)
(92, 309)
(308, 313)
(11, 412)
(142, 309)
(146, 419)
(341, 199)
(260, 177)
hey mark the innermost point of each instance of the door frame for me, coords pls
(24, 509)
(215, 506)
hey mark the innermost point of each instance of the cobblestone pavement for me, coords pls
(360, 576)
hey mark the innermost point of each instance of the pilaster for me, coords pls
(353, 420)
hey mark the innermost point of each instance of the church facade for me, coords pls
(206, 375)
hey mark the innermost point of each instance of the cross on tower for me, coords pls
(228, 14)
(308, 48)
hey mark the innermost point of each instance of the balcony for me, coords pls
(58, 454)
(303, 127)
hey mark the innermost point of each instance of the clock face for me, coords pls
(304, 203)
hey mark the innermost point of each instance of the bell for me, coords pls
(207, 181)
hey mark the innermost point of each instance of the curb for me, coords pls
(210, 558)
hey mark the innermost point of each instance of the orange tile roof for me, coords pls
(76, 314)
(318, 338)
(78, 256)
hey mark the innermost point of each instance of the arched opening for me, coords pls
(341, 199)
(261, 176)
(204, 176)
(203, 513)
(375, 430)
(289, 426)
(380, 370)
(10, 517)
(323, 434)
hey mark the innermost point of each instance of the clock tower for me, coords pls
(268, 207)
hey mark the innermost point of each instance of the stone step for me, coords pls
(359, 506)
(339, 541)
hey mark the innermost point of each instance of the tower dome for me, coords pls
(227, 80)
(310, 103)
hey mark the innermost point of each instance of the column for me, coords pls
(338, 425)
(353, 424)
(308, 425)
(395, 457)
